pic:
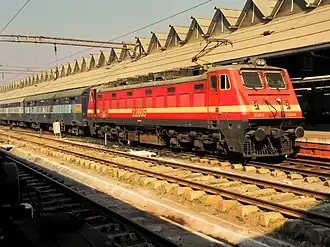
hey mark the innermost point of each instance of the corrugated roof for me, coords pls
(290, 32)
(312, 2)
(158, 40)
(125, 54)
(144, 42)
(181, 31)
(97, 59)
(77, 66)
(117, 52)
(85, 64)
(73, 65)
(107, 55)
(203, 23)
(68, 70)
(266, 7)
(161, 37)
(92, 62)
(112, 56)
(102, 60)
(231, 15)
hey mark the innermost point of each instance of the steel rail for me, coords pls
(286, 167)
(206, 171)
(309, 162)
(151, 236)
(268, 205)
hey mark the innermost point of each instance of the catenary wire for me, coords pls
(139, 29)
(128, 33)
(14, 17)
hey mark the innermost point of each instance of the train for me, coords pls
(245, 109)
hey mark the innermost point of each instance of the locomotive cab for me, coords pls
(257, 110)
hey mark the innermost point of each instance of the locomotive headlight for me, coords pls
(287, 105)
(256, 105)
(261, 62)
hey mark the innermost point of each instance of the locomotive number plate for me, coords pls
(259, 115)
(139, 112)
(291, 114)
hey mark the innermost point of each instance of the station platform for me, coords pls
(315, 144)
(322, 137)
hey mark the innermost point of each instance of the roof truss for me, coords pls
(176, 36)
(157, 42)
(142, 45)
(223, 20)
(287, 7)
(198, 28)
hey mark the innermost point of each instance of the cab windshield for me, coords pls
(251, 79)
(275, 80)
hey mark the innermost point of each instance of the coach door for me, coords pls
(227, 98)
(213, 99)
(220, 96)
(92, 103)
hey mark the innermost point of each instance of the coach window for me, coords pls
(224, 82)
(113, 95)
(199, 87)
(213, 82)
(148, 92)
(171, 90)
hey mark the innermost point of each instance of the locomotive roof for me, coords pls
(241, 66)
(111, 87)
(279, 36)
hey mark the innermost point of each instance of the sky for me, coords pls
(87, 19)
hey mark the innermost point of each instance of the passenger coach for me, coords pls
(41, 111)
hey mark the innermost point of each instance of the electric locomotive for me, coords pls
(245, 109)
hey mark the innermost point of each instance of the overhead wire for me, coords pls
(14, 17)
(124, 35)
(139, 29)
(8, 23)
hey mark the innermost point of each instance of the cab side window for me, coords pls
(213, 82)
(224, 82)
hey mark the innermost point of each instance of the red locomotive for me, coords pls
(245, 109)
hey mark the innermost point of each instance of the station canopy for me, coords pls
(264, 28)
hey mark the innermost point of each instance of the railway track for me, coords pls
(307, 167)
(244, 189)
(62, 207)
(317, 170)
